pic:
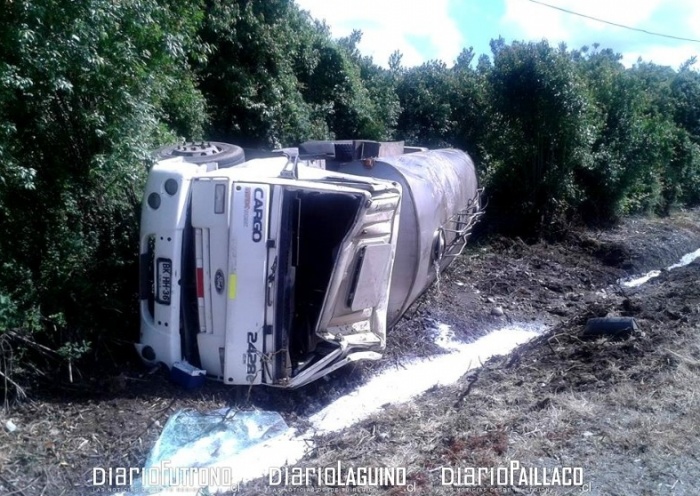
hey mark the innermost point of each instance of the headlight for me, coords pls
(154, 201)
(171, 186)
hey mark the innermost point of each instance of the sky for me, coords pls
(425, 30)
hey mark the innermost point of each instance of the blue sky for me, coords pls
(439, 29)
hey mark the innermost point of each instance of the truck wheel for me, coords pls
(224, 154)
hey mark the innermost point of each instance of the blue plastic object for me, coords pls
(187, 376)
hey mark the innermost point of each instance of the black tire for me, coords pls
(225, 154)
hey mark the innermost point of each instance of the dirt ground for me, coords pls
(624, 411)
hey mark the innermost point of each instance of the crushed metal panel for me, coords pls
(371, 283)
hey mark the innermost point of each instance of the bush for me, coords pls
(538, 135)
(87, 89)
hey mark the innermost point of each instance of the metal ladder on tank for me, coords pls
(461, 225)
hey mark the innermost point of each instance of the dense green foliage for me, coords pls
(275, 77)
(561, 135)
(88, 87)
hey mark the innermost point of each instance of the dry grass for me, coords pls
(625, 411)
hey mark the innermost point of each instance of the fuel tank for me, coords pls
(439, 206)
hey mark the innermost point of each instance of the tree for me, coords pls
(88, 88)
(537, 135)
(684, 169)
(470, 105)
(426, 95)
(250, 76)
(632, 152)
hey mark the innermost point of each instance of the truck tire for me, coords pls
(224, 154)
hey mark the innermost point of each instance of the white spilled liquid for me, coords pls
(391, 386)
(638, 281)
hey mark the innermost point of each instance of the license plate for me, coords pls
(164, 277)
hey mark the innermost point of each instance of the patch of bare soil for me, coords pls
(624, 411)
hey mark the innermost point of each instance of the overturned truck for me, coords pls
(279, 270)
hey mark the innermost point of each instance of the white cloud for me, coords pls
(534, 21)
(527, 20)
(419, 29)
(663, 55)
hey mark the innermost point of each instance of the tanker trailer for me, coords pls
(280, 270)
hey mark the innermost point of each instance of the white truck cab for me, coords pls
(278, 270)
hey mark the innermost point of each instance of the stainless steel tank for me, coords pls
(439, 205)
